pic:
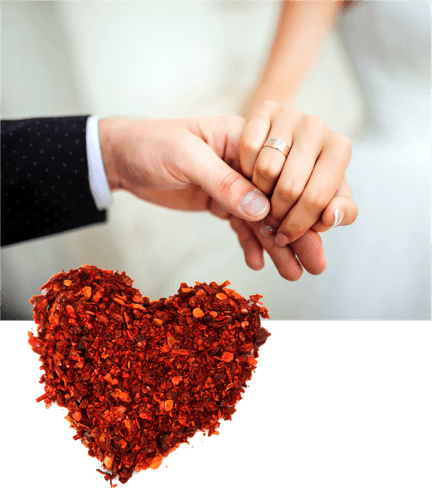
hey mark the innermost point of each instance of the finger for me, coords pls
(340, 212)
(271, 161)
(307, 144)
(308, 248)
(253, 138)
(230, 189)
(310, 252)
(283, 258)
(252, 248)
(268, 167)
(320, 189)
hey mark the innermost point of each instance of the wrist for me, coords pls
(269, 92)
(109, 150)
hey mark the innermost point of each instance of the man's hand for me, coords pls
(185, 164)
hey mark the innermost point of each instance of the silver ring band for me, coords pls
(277, 144)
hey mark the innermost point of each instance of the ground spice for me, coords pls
(139, 378)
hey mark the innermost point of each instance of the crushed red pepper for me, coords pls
(139, 378)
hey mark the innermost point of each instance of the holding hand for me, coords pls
(301, 181)
(304, 178)
(199, 164)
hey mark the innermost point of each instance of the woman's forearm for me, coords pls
(303, 28)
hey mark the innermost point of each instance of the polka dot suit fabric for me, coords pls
(45, 182)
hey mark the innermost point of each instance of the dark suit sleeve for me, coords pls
(45, 183)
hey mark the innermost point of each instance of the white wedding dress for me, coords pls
(387, 267)
(378, 268)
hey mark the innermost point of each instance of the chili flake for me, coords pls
(108, 356)
(198, 313)
(227, 356)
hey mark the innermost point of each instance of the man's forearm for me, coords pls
(303, 28)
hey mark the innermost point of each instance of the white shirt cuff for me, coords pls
(99, 186)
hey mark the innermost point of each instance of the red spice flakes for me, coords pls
(198, 313)
(227, 356)
(139, 378)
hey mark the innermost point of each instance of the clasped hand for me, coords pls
(219, 164)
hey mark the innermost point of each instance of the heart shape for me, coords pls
(139, 378)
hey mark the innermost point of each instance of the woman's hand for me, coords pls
(307, 189)
(306, 252)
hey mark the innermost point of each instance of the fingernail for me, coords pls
(281, 239)
(266, 230)
(339, 215)
(254, 203)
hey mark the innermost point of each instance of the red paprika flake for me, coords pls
(139, 378)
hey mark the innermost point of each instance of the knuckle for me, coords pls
(286, 110)
(342, 142)
(228, 181)
(316, 200)
(232, 124)
(268, 170)
(294, 112)
(250, 147)
(290, 193)
(315, 124)
(306, 148)
(181, 152)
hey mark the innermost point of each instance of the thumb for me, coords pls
(231, 190)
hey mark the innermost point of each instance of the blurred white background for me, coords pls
(164, 60)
